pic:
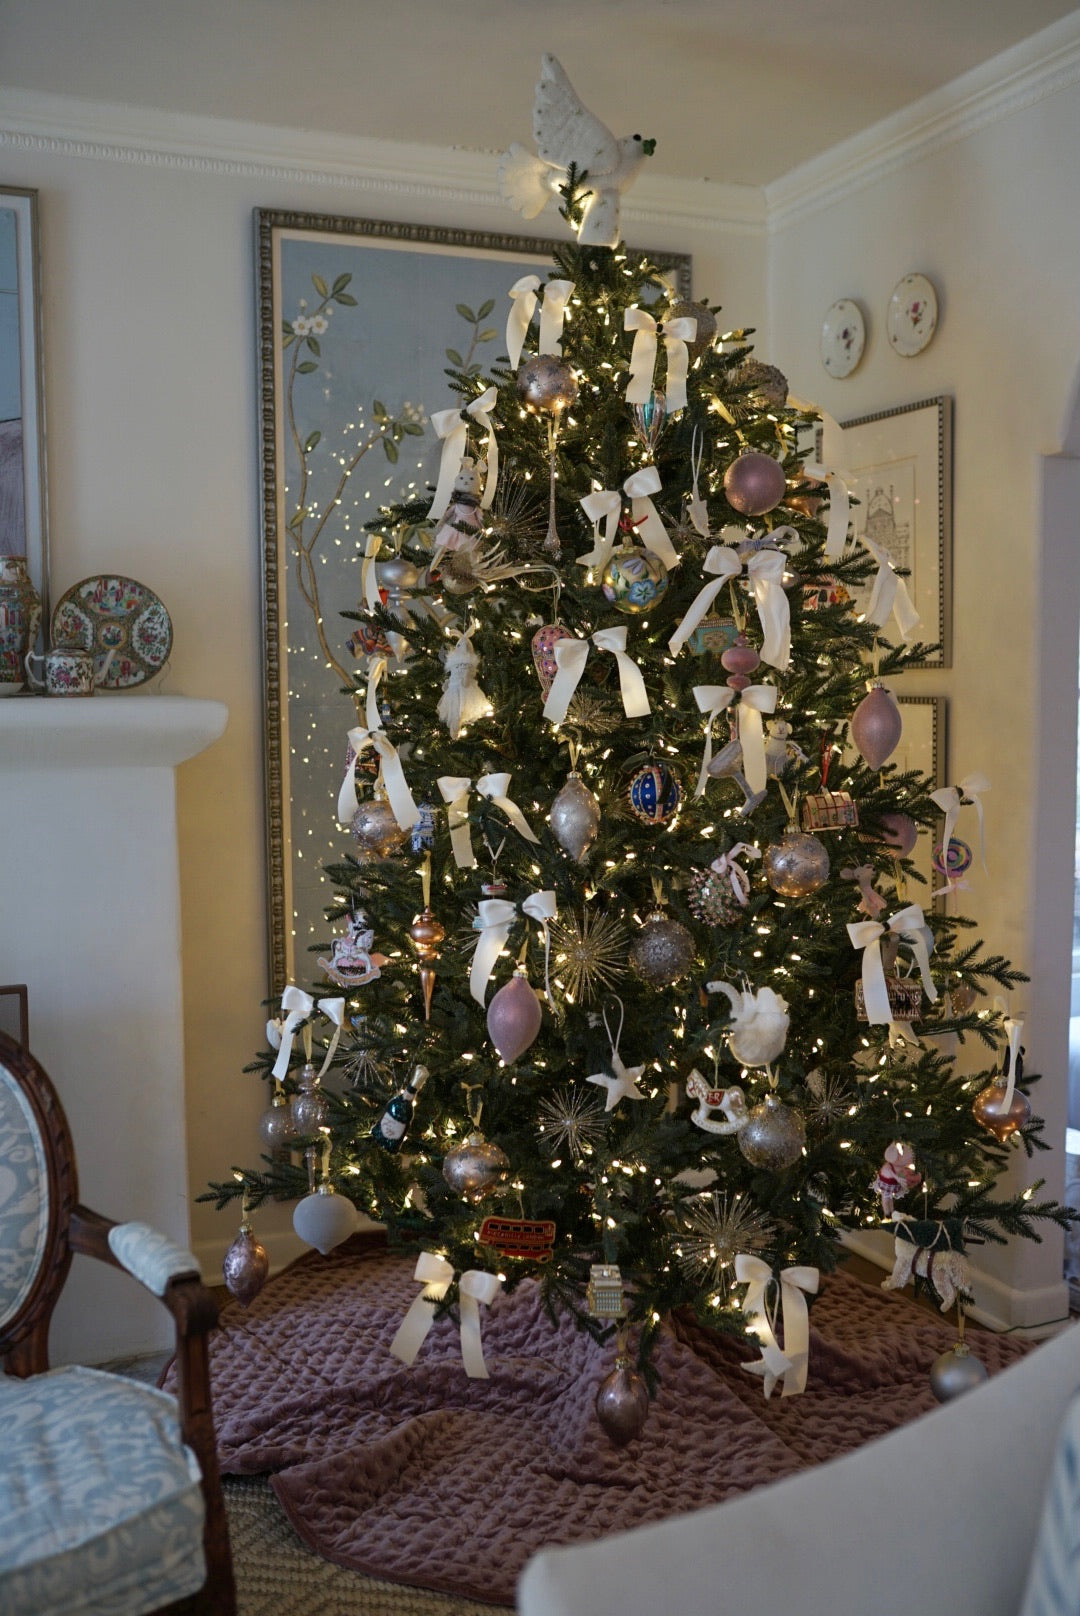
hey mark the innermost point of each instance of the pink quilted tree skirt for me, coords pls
(422, 1476)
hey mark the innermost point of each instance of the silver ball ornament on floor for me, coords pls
(622, 1403)
(663, 952)
(955, 1372)
(796, 865)
(575, 817)
(773, 1135)
(476, 1168)
(546, 385)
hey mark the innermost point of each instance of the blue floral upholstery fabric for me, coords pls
(153, 1258)
(1054, 1578)
(24, 1210)
(101, 1512)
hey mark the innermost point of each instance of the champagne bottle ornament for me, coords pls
(390, 1130)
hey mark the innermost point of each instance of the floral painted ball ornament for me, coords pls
(877, 725)
(654, 794)
(754, 483)
(546, 385)
(634, 580)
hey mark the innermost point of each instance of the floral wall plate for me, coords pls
(122, 623)
(843, 337)
(911, 319)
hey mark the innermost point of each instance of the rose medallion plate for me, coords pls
(122, 623)
(843, 337)
(912, 315)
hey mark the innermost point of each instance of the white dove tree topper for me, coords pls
(566, 133)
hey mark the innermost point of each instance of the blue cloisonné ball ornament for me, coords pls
(654, 794)
(634, 579)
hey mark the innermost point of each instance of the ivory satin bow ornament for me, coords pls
(603, 507)
(436, 1275)
(452, 426)
(570, 657)
(455, 790)
(765, 570)
(790, 1365)
(676, 334)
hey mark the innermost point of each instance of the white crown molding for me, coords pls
(1027, 73)
(70, 127)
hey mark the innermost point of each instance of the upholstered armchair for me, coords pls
(110, 1499)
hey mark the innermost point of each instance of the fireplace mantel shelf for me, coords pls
(103, 731)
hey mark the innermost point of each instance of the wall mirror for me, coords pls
(358, 320)
(22, 409)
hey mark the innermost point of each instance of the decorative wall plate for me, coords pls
(843, 337)
(122, 623)
(911, 319)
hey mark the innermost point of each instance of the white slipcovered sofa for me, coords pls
(940, 1517)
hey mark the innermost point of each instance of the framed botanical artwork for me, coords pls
(358, 320)
(898, 467)
(924, 746)
(23, 526)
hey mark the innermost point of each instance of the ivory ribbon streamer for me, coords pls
(602, 505)
(541, 907)
(910, 926)
(677, 333)
(1013, 1031)
(948, 800)
(334, 1011)
(393, 775)
(889, 595)
(297, 1006)
(839, 508)
(553, 315)
(369, 578)
(475, 1286)
(792, 1364)
(765, 571)
(696, 508)
(727, 864)
(452, 426)
(650, 529)
(570, 658)
(523, 301)
(455, 791)
(754, 700)
(496, 916)
(867, 935)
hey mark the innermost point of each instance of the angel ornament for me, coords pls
(568, 133)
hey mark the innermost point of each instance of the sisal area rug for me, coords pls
(425, 1478)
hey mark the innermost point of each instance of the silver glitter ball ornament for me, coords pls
(955, 1372)
(663, 952)
(376, 830)
(245, 1266)
(475, 1168)
(768, 387)
(706, 325)
(546, 385)
(622, 1403)
(773, 1136)
(796, 865)
(575, 817)
(310, 1108)
(276, 1124)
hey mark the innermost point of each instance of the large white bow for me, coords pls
(393, 775)
(452, 426)
(712, 700)
(677, 333)
(553, 315)
(495, 917)
(571, 656)
(948, 798)
(908, 924)
(474, 1286)
(765, 570)
(455, 790)
(605, 505)
(792, 1364)
(523, 300)
(298, 1006)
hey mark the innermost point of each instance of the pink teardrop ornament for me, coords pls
(514, 1017)
(543, 643)
(876, 726)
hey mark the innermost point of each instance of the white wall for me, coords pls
(149, 323)
(991, 212)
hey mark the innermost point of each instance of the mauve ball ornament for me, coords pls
(900, 832)
(376, 830)
(796, 865)
(245, 1266)
(754, 483)
(546, 385)
(876, 726)
(663, 952)
(324, 1219)
(955, 1372)
(622, 1403)
(276, 1123)
(989, 1109)
(514, 1018)
(706, 325)
(475, 1168)
(773, 1135)
(575, 817)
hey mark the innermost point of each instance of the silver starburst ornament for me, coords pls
(570, 1120)
(716, 1231)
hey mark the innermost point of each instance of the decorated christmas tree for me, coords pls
(637, 988)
